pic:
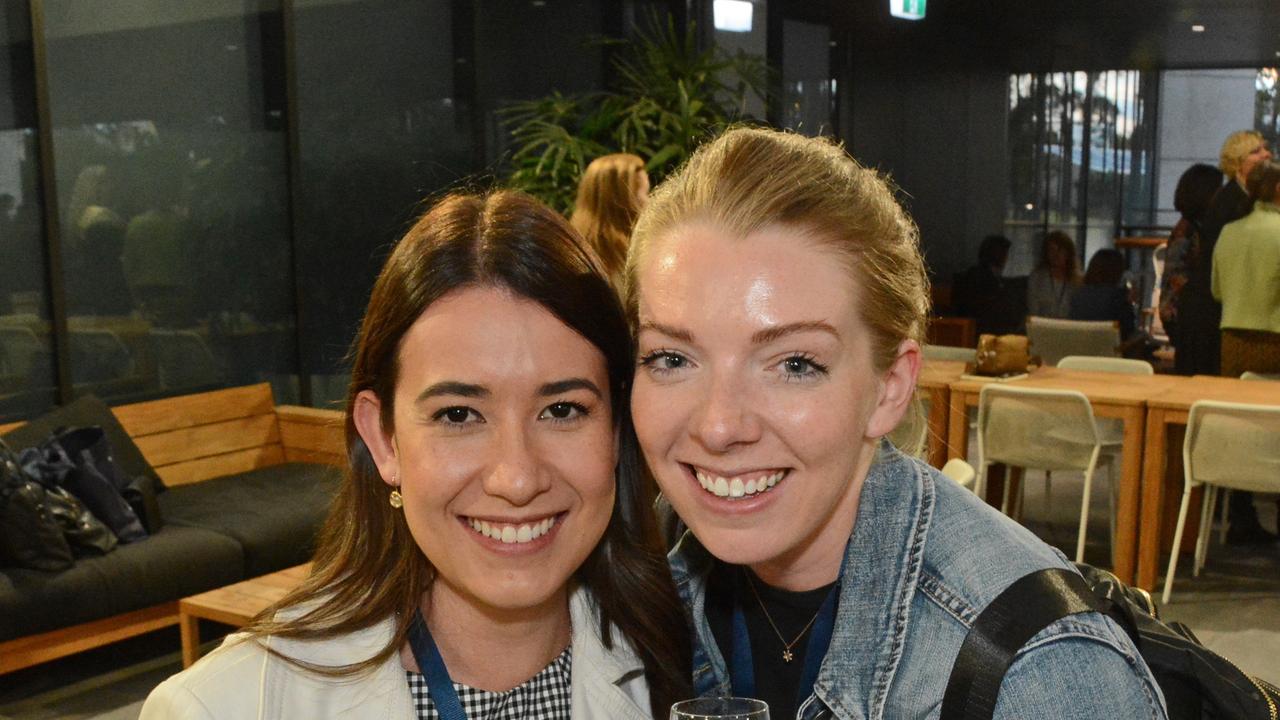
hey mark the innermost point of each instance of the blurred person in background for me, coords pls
(611, 194)
(1191, 199)
(1050, 285)
(1199, 313)
(1246, 279)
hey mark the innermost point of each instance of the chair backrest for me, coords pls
(1106, 364)
(960, 471)
(1053, 339)
(1038, 428)
(1233, 445)
(947, 352)
(1250, 375)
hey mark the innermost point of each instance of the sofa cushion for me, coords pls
(169, 565)
(83, 412)
(273, 512)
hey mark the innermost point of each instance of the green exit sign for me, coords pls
(909, 9)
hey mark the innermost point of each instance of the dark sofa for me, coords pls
(217, 530)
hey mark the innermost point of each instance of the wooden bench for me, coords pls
(189, 439)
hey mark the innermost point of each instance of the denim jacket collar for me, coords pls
(879, 575)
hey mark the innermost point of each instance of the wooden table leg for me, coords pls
(1153, 468)
(1124, 548)
(939, 413)
(189, 625)
(958, 426)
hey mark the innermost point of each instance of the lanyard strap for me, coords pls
(439, 684)
(741, 670)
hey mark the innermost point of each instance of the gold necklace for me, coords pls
(787, 655)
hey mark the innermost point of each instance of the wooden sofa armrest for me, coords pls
(311, 435)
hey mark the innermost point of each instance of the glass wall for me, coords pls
(808, 85)
(27, 378)
(227, 180)
(170, 164)
(1080, 156)
(384, 119)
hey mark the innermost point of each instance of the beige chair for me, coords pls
(1053, 339)
(1249, 375)
(1226, 492)
(1111, 429)
(960, 471)
(1038, 428)
(947, 352)
(1106, 364)
(1228, 445)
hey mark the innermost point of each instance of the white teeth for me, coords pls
(513, 534)
(737, 487)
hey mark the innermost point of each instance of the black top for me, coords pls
(777, 681)
(1104, 302)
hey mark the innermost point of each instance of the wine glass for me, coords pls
(721, 708)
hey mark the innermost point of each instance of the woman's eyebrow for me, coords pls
(564, 386)
(674, 333)
(453, 387)
(768, 335)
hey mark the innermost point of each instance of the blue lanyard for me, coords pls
(741, 671)
(439, 684)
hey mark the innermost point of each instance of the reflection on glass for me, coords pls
(383, 121)
(26, 357)
(808, 90)
(171, 173)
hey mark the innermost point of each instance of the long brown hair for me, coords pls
(607, 207)
(362, 572)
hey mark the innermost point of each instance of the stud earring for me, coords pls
(395, 499)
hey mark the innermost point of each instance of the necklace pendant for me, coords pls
(787, 656)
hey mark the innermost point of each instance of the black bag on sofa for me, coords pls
(29, 533)
(85, 533)
(79, 459)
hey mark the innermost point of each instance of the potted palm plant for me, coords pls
(669, 96)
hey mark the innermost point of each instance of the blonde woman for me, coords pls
(613, 190)
(780, 301)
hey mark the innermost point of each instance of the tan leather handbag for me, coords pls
(1002, 355)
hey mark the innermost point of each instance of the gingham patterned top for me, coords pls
(544, 696)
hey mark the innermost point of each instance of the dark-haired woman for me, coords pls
(486, 556)
(1102, 296)
(1191, 199)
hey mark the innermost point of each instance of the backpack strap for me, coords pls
(1029, 605)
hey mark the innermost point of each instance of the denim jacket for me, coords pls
(925, 558)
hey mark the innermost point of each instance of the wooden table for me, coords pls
(1165, 410)
(233, 605)
(935, 378)
(1112, 395)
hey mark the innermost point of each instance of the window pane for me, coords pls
(384, 119)
(170, 165)
(807, 85)
(26, 358)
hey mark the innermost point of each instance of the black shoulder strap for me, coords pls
(1029, 605)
